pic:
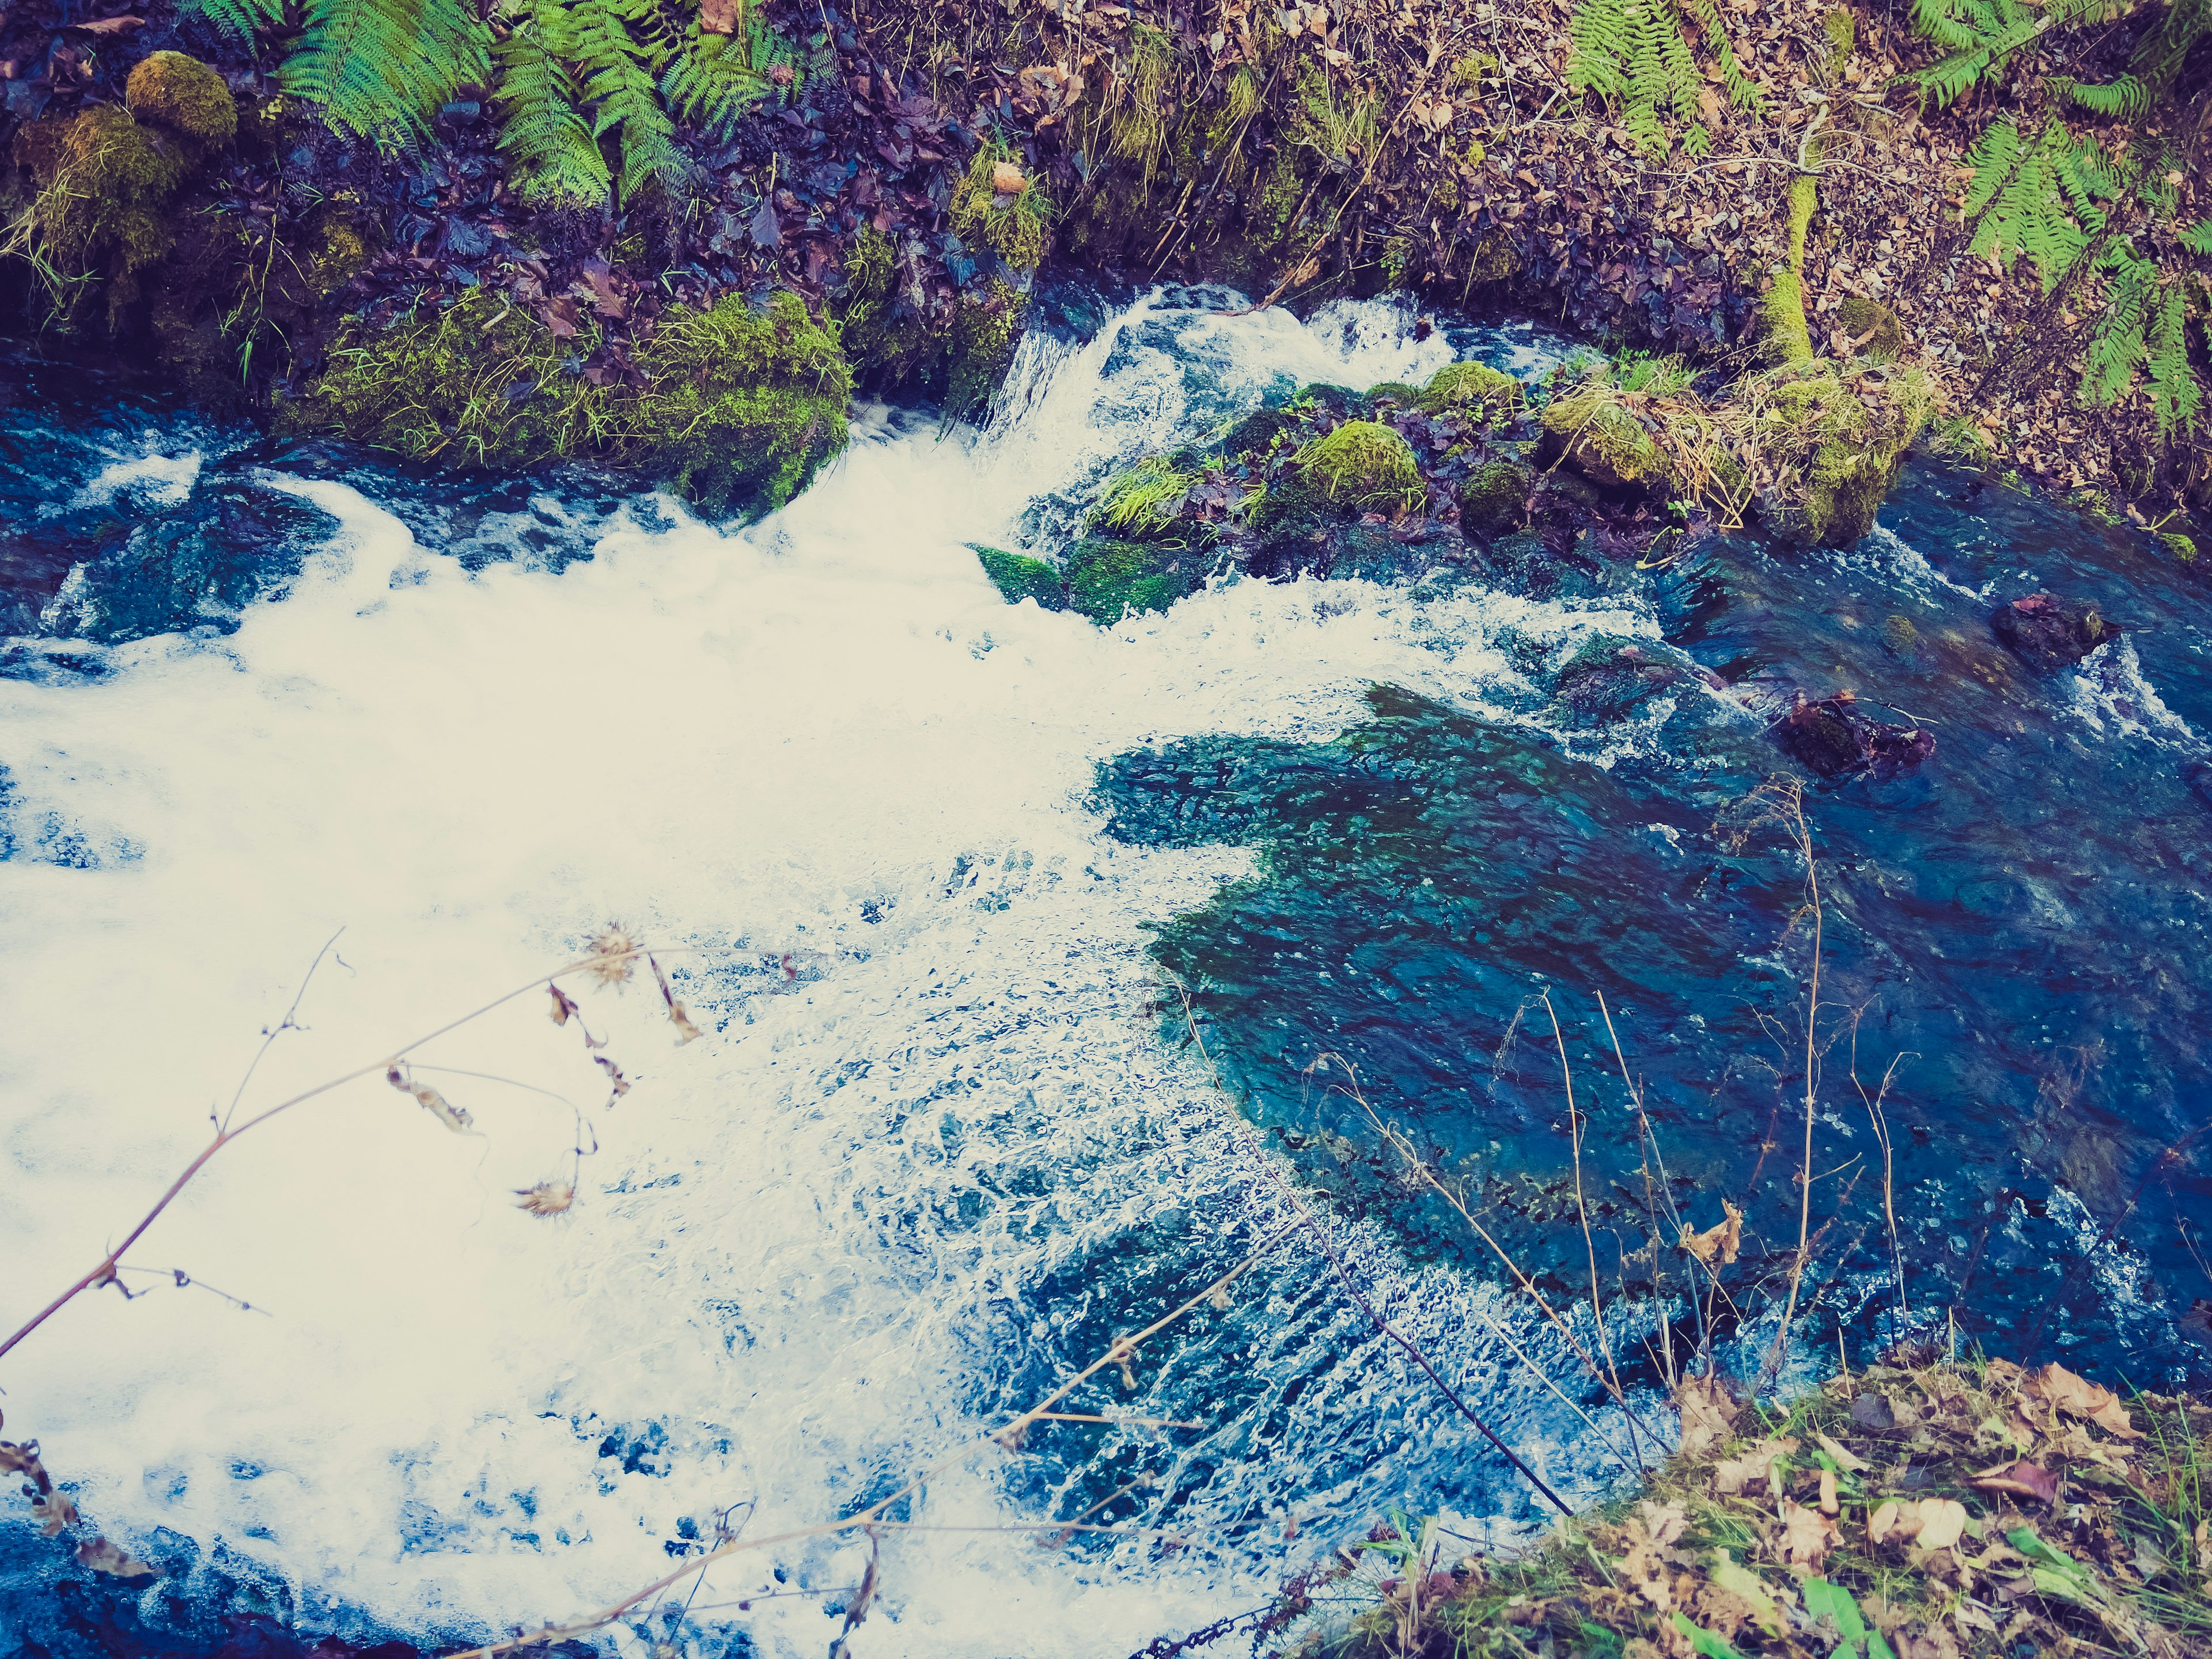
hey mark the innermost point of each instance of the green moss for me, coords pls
(1842, 30)
(1287, 507)
(1139, 127)
(741, 406)
(1362, 463)
(1144, 499)
(477, 383)
(1852, 435)
(1601, 437)
(102, 206)
(1019, 577)
(1460, 387)
(1788, 338)
(1108, 580)
(1016, 224)
(985, 330)
(1495, 497)
(1875, 323)
(184, 96)
(2184, 548)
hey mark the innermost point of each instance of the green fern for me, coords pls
(712, 79)
(1632, 53)
(2028, 198)
(548, 144)
(1979, 38)
(620, 47)
(2197, 239)
(2123, 99)
(237, 20)
(2117, 343)
(2176, 399)
(382, 67)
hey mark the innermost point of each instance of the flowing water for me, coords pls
(917, 858)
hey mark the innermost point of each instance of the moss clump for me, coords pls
(1108, 580)
(478, 384)
(1842, 30)
(1362, 463)
(1144, 499)
(1835, 441)
(1788, 338)
(1495, 497)
(1876, 325)
(2184, 548)
(741, 406)
(1019, 577)
(985, 332)
(101, 207)
(1599, 436)
(1457, 388)
(1016, 224)
(186, 96)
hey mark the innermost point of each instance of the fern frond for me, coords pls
(382, 67)
(1742, 91)
(1600, 35)
(712, 81)
(1633, 54)
(1994, 157)
(2197, 239)
(2028, 210)
(553, 154)
(2176, 399)
(617, 45)
(2158, 55)
(2122, 100)
(237, 20)
(2116, 344)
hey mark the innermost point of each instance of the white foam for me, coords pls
(825, 761)
(164, 480)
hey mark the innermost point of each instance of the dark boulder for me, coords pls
(2197, 775)
(1608, 678)
(1832, 738)
(2050, 632)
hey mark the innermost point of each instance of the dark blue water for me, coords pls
(2020, 927)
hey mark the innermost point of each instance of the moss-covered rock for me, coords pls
(986, 328)
(1494, 498)
(1874, 325)
(1460, 388)
(1592, 427)
(1144, 499)
(184, 95)
(1362, 463)
(741, 406)
(104, 188)
(1108, 580)
(995, 205)
(1019, 577)
(1836, 441)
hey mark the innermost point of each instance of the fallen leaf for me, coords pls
(620, 1083)
(1719, 1243)
(109, 25)
(1737, 1475)
(1846, 1459)
(55, 1513)
(1806, 1534)
(560, 315)
(1942, 1520)
(1707, 1412)
(719, 16)
(1006, 178)
(1830, 1505)
(103, 1557)
(599, 277)
(2063, 1390)
(453, 1117)
(2022, 1479)
(562, 1005)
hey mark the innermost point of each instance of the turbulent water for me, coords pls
(916, 857)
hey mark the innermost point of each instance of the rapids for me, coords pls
(915, 857)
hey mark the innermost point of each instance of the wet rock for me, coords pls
(1108, 580)
(1494, 498)
(2197, 775)
(1832, 738)
(2050, 632)
(1609, 677)
(1019, 577)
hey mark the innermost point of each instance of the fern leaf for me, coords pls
(2176, 399)
(712, 81)
(619, 52)
(236, 19)
(382, 67)
(2122, 100)
(550, 146)
(2197, 239)
(1600, 33)
(2116, 344)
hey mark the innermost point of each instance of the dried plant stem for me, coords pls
(1880, 1120)
(1793, 802)
(1654, 1196)
(1122, 1349)
(1581, 1213)
(104, 1270)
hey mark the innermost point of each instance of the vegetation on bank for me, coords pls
(1688, 180)
(1917, 1510)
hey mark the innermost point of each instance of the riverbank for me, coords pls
(904, 169)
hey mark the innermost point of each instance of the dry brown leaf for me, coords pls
(2022, 1479)
(1736, 1475)
(1807, 1535)
(547, 1198)
(562, 1005)
(719, 16)
(1846, 1459)
(2061, 1389)
(615, 1077)
(103, 1557)
(110, 25)
(1719, 1243)
(455, 1118)
(55, 1513)
(1829, 1503)
(1707, 1413)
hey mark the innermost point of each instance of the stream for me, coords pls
(914, 860)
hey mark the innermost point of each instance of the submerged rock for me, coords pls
(2050, 632)
(1019, 577)
(1609, 677)
(1832, 738)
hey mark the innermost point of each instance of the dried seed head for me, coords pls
(547, 1198)
(616, 951)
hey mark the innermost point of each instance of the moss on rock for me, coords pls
(1875, 325)
(1144, 499)
(184, 96)
(1019, 577)
(741, 406)
(1836, 440)
(985, 332)
(1014, 223)
(1108, 580)
(1495, 497)
(1458, 388)
(1362, 463)
(1597, 434)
